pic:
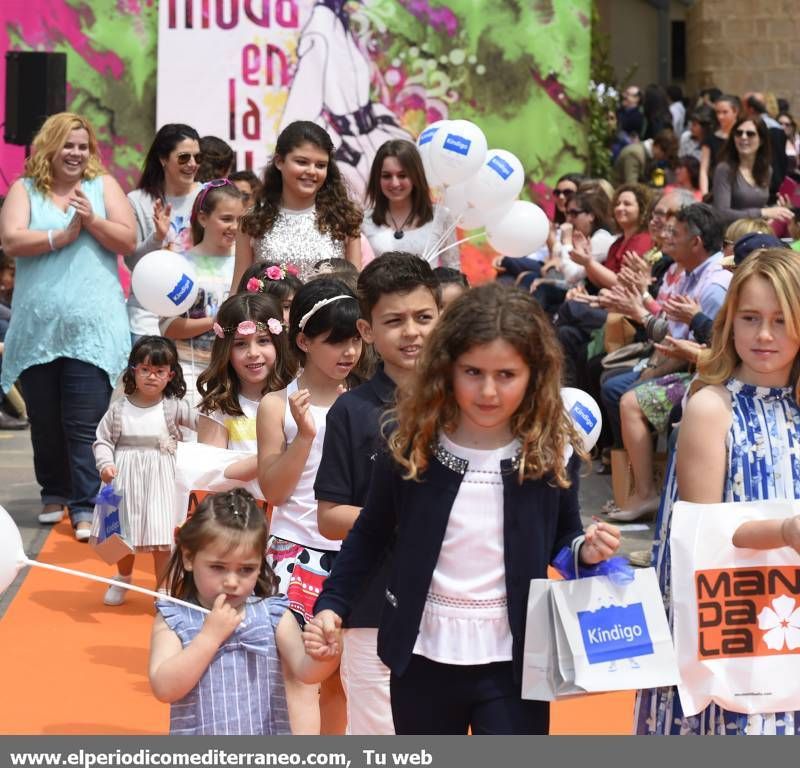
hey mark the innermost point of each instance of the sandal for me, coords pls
(610, 507)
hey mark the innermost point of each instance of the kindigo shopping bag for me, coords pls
(107, 538)
(736, 611)
(596, 634)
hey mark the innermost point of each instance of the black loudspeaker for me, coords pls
(36, 87)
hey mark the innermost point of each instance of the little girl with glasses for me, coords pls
(135, 449)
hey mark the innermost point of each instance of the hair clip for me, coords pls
(248, 328)
(319, 305)
(273, 272)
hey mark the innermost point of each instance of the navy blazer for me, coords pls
(539, 520)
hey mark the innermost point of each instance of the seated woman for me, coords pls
(588, 213)
(742, 176)
(400, 215)
(510, 269)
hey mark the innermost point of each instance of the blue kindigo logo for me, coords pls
(457, 144)
(615, 632)
(111, 526)
(181, 290)
(583, 417)
(427, 135)
(500, 167)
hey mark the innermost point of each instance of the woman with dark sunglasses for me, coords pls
(512, 268)
(162, 202)
(741, 179)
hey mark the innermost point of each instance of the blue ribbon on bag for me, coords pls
(108, 502)
(616, 568)
(107, 497)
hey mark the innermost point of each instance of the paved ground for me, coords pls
(19, 494)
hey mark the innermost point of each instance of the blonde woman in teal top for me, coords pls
(65, 221)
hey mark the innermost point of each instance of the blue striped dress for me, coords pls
(763, 450)
(242, 691)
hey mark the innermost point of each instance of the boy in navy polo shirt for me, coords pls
(400, 300)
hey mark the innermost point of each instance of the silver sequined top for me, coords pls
(295, 239)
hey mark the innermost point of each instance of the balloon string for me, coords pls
(436, 206)
(458, 242)
(116, 583)
(427, 255)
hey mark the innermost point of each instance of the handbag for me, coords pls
(628, 356)
(736, 623)
(107, 539)
(595, 634)
(619, 331)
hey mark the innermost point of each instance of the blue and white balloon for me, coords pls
(165, 283)
(585, 413)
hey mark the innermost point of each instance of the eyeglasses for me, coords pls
(147, 371)
(575, 211)
(568, 193)
(213, 184)
(659, 214)
(740, 134)
(184, 157)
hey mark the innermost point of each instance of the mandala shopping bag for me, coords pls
(736, 611)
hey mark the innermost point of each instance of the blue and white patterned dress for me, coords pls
(763, 449)
(242, 691)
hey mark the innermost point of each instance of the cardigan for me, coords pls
(539, 519)
(176, 413)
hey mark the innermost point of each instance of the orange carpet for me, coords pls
(70, 665)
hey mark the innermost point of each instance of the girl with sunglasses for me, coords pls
(741, 179)
(135, 450)
(214, 224)
(162, 203)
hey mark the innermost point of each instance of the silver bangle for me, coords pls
(50, 239)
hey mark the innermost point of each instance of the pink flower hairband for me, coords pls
(249, 327)
(274, 272)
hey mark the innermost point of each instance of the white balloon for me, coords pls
(457, 150)
(424, 147)
(476, 217)
(585, 413)
(165, 283)
(12, 554)
(499, 180)
(455, 198)
(522, 230)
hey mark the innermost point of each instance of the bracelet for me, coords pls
(50, 240)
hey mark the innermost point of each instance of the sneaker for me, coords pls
(83, 532)
(116, 595)
(50, 518)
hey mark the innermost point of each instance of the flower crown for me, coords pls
(275, 272)
(249, 327)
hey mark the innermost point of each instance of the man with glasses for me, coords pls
(693, 238)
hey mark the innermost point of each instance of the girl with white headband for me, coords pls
(291, 430)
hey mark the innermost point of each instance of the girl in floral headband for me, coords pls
(273, 280)
(249, 357)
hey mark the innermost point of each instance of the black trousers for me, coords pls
(433, 698)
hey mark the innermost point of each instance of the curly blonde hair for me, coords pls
(780, 267)
(477, 317)
(51, 139)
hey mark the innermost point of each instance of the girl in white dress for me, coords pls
(400, 216)
(135, 449)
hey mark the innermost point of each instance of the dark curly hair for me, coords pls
(155, 350)
(337, 215)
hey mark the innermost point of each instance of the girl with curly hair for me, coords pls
(303, 213)
(479, 491)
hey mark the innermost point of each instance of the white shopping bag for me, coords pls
(200, 470)
(598, 635)
(736, 611)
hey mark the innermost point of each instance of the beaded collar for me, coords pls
(459, 465)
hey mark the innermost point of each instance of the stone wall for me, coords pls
(745, 45)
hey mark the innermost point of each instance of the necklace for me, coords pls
(398, 231)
